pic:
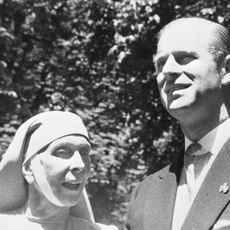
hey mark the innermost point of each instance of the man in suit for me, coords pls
(192, 193)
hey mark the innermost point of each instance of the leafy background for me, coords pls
(94, 58)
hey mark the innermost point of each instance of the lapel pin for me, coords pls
(224, 188)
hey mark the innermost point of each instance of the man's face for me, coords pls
(187, 74)
(62, 169)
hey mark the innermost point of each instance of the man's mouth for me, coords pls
(172, 88)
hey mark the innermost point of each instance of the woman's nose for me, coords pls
(76, 162)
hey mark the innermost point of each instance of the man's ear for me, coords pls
(27, 173)
(225, 71)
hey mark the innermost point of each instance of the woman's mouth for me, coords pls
(71, 185)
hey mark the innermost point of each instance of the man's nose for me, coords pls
(76, 162)
(171, 67)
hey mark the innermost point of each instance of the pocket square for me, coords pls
(222, 224)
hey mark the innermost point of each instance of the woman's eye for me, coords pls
(62, 153)
(84, 150)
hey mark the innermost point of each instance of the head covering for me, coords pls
(30, 138)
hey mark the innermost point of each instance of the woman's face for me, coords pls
(62, 169)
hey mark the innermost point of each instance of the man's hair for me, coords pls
(219, 46)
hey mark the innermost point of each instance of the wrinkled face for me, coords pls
(62, 169)
(187, 74)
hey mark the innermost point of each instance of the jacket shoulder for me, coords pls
(151, 179)
(140, 196)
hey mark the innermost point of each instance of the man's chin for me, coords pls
(178, 109)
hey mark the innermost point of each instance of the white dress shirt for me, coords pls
(211, 142)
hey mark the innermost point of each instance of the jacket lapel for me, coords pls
(209, 202)
(159, 205)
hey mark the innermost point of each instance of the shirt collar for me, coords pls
(214, 140)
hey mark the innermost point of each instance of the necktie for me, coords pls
(194, 163)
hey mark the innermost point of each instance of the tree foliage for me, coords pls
(94, 58)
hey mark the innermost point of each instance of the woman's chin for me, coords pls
(71, 195)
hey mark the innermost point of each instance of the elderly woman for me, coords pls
(43, 174)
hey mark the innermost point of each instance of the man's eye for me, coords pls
(159, 66)
(185, 60)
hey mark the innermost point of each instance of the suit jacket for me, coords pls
(152, 203)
